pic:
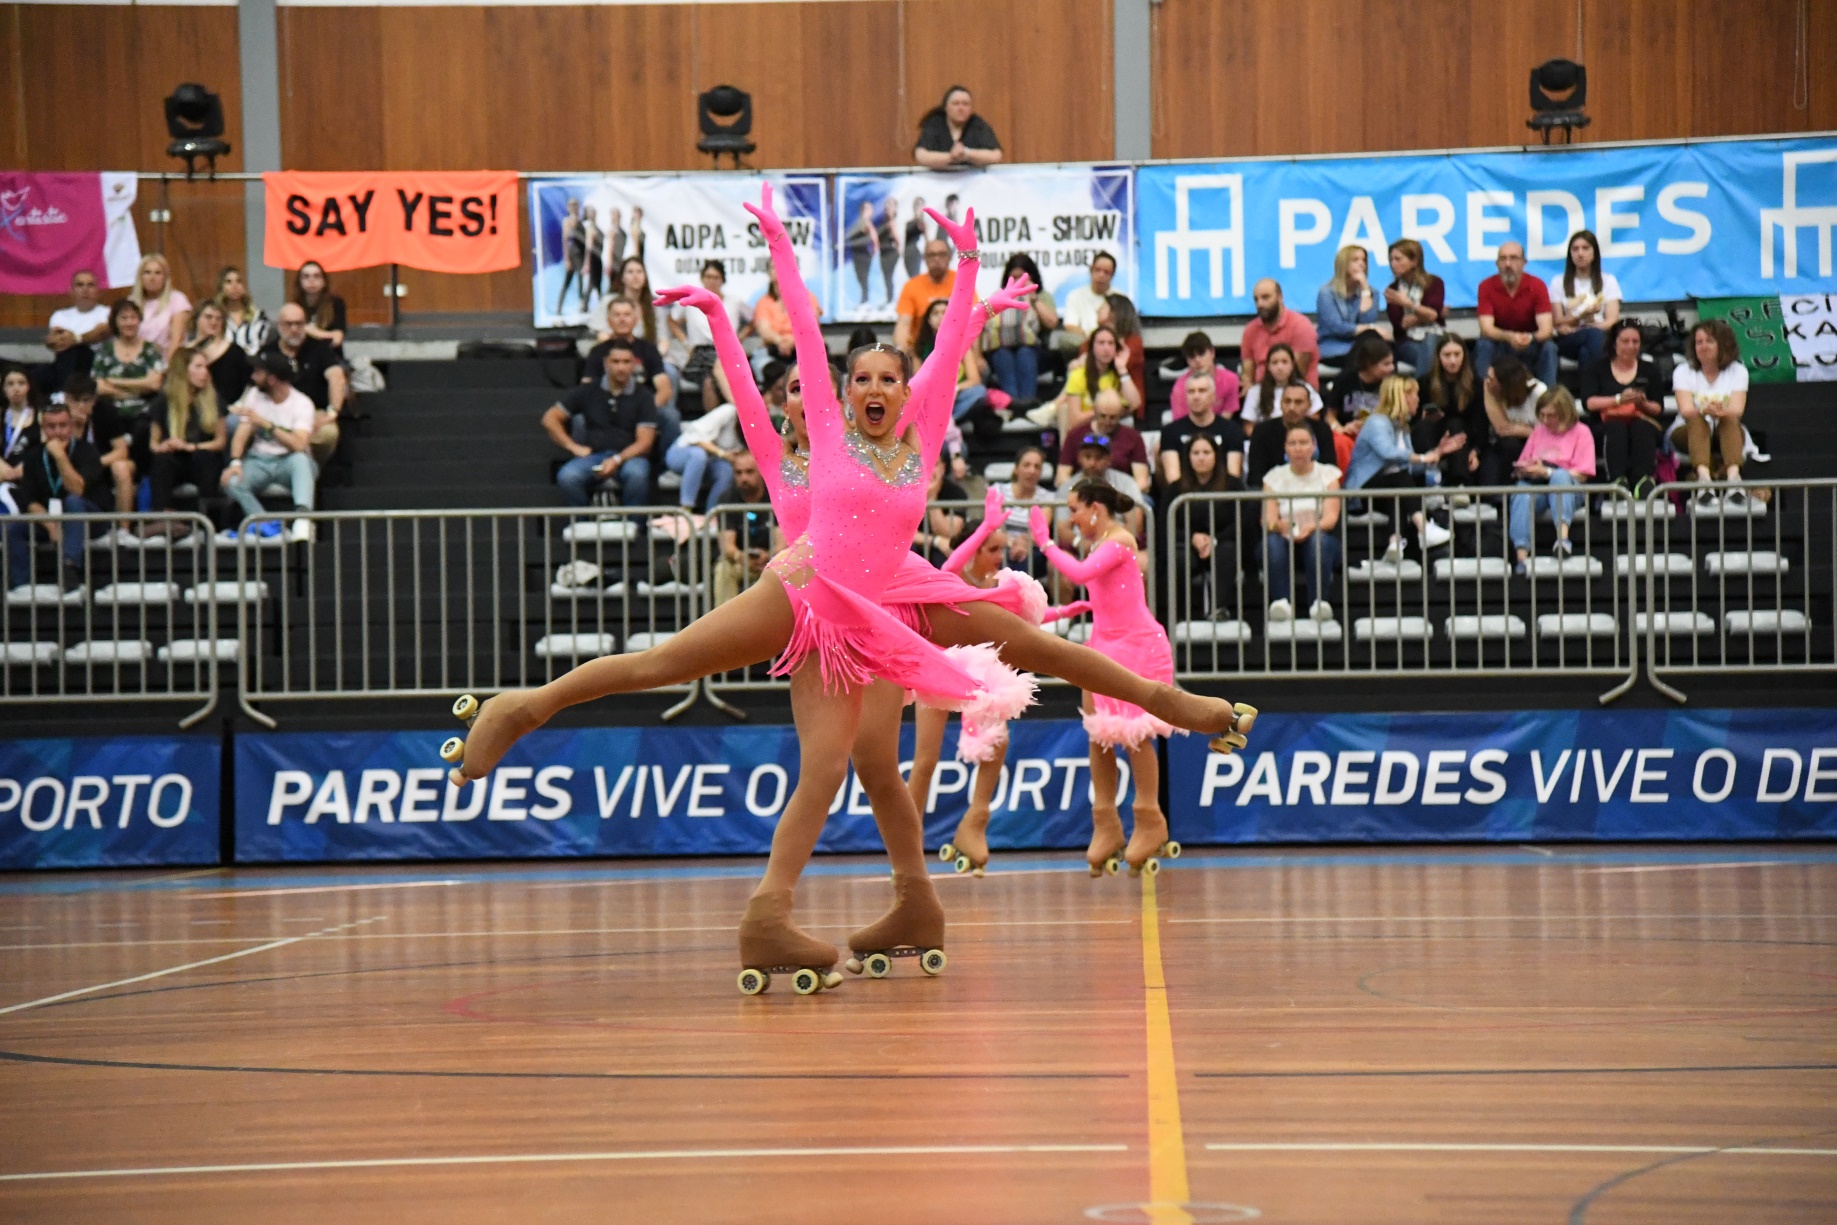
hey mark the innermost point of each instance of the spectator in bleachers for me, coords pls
(56, 469)
(1012, 338)
(952, 136)
(1452, 386)
(1276, 324)
(1711, 386)
(1382, 458)
(1449, 409)
(274, 424)
(1079, 313)
(1208, 559)
(1347, 306)
(313, 370)
(706, 447)
(1118, 314)
(1300, 526)
(325, 314)
(21, 424)
(970, 390)
(747, 539)
(165, 311)
(247, 324)
(1265, 395)
(1559, 455)
(1124, 448)
(1269, 440)
(96, 421)
(127, 367)
(72, 332)
(1097, 460)
(620, 430)
(1416, 304)
(1024, 488)
(1516, 317)
(189, 433)
(622, 318)
(694, 339)
(917, 294)
(1624, 403)
(772, 325)
(635, 286)
(1202, 358)
(1200, 420)
(229, 365)
(1104, 367)
(940, 524)
(1589, 304)
(1353, 395)
(1511, 396)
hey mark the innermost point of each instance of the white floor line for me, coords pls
(707, 1154)
(190, 965)
(1767, 1151)
(1483, 918)
(238, 893)
(1691, 867)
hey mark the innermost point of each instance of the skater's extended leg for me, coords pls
(826, 725)
(1107, 837)
(1150, 832)
(876, 757)
(927, 746)
(972, 838)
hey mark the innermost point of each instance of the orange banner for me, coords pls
(458, 221)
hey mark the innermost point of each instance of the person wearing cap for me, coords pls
(271, 441)
(1095, 452)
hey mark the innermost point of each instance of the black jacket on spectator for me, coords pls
(1599, 380)
(43, 480)
(612, 421)
(1226, 433)
(105, 425)
(230, 374)
(934, 134)
(1266, 448)
(309, 366)
(642, 349)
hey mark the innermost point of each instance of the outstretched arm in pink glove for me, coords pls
(1060, 612)
(934, 387)
(939, 407)
(755, 419)
(994, 514)
(822, 414)
(1080, 570)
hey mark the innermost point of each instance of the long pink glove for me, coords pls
(934, 387)
(822, 413)
(994, 514)
(1059, 612)
(755, 419)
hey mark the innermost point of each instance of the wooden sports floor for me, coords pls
(1594, 1034)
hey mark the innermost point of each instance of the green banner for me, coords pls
(1760, 326)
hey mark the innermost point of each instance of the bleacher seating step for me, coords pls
(110, 651)
(1577, 625)
(192, 650)
(440, 375)
(1674, 623)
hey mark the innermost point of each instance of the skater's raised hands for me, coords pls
(993, 505)
(1040, 525)
(962, 233)
(1013, 295)
(770, 226)
(697, 296)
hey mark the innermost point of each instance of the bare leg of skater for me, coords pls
(972, 838)
(1107, 836)
(1150, 832)
(916, 918)
(927, 747)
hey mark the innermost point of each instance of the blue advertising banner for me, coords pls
(1719, 219)
(109, 802)
(1517, 776)
(312, 796)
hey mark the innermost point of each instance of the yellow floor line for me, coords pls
(1167, 1189)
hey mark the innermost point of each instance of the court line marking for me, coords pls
(406, 884)
(1370, 1074)
(190, 965)
(1167, 1183)
(1691, 867)
(1518, 1148)
(708, 1154)
(1489, 918)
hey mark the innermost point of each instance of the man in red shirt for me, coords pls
(1274, 325)
(1515, 317)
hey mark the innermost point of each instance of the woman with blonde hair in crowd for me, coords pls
(165, 311)
(188, 430)
(1347, 305)
(1416, 303)
(243, 321)
(1382, 459)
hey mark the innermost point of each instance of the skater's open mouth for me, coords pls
(874, 411)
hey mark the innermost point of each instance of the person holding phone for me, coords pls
(1556, 454)
(1624, 405)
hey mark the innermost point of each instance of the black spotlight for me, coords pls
(194, 120)
(725, 102)
(1559, 91)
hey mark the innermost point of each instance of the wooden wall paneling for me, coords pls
(851, 108)
(1821, 110)
(1638, 54)
(549, 86)
(12, 88)
(331, 64)
(730, 44)
(1742, 64)
(1506, 42)
(647, 60)
(81, 83)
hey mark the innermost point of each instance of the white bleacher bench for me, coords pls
(1616, 508)
(1662, 564)
(1759, 561)
(1001, 470)
(195, 650)
(1447, 568)
(1018, 424)
(254, 591)
(1576, 565)
(1390, 629)
(32, 652)
(1466, 627)
(1474, 512)
(1076, 631)
(1226, 633)
(1692, 622)
(574, 646)
(644, 640)
(128, 595)
(110, 651)
(1756, 509)
(670, 589)
(1303, 629)
(600, 530)
(44, 594)
(1577, 625)
(1367, 518)
(1765, 621)
(1377, 570)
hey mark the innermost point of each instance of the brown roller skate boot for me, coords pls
(1107, 840)
(491, 731)
(771, 943)
(1149, 841)
(968, 851)
(914, 927)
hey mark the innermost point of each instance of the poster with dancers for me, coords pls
(1059, 215)
(585, 229)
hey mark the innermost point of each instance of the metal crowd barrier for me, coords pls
(429, 603)
(1745, 589)
(1460, 608)
(135, 620)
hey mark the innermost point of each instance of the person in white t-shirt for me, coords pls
(690, 327)
(1300, 529)
(1587, 301)
(1079, 314)
(706, 449)
(271, 443)
(1711, 386)
(73, 330)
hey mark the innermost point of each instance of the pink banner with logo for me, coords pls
(55, 225)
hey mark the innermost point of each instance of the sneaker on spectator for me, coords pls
(1320, 610)
(1706, 500)
(1523, 568)
(115, 538)
(1461, 501)
(1736, 500)
(267, 530)
(302, 531)
(1643, 487)
(1281, 610)
(1434, 535)
(1393, 552)
(1045, 414)
(1562, 548)
(70, 578)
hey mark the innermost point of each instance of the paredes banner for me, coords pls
(462, 221)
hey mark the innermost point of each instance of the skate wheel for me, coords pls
(753, 982)
(830, 980)
(465, 708)
(976, 871)
(852, 965)
(963, 864)
(1113, 865)
(878, 965)
(453, 751)
(1228, 743)
(1246, 716)
(1172, 850)
(946, 853)
(1152, 867)
(932, 961)
(806, 982)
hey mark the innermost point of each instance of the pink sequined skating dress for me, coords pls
(1123, 630)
